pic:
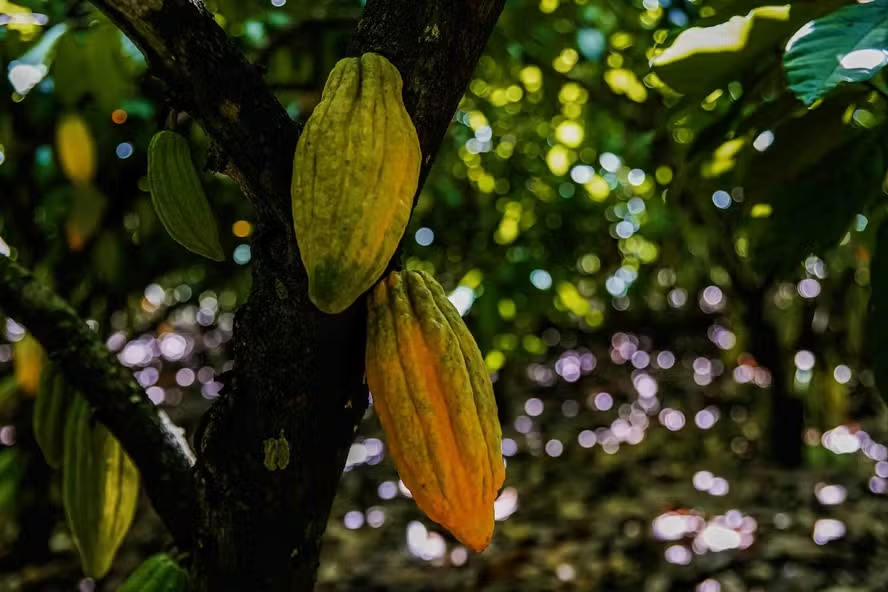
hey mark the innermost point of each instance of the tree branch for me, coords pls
(116, 398)
(436, 45)
(210, 78)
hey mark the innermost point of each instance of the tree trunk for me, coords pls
(299, 374)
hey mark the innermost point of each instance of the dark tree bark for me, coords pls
(298, 374)
(786, 421)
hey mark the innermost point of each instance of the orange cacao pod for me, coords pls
(432, 392)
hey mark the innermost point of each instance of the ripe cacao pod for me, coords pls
(179, 198)
(355, 172)
(100, 489)
(158, 573)
(50, 411)
(29, 358)
(76, 149)
(432, 392)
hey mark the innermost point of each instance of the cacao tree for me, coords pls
(298, 372)
(615, 201)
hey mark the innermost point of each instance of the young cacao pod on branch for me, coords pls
(50, 411)
(355, 172)
(432, 392)
(158, 573)
(76, 149)
(179, 198)
(100, 489)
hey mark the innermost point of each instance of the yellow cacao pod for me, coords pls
(100, 489)
(432, 392)
(355, 172)
(29, 358)
(76, 149)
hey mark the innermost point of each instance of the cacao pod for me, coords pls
(355, 172)
(29, 358)
(432, 392)
(50, 412)
(86, 209)
(179, 198)
(76, 149)
(158, 573)
(100, 489)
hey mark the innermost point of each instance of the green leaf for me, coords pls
(93, 62)
(800, 143)
(812, 212)
(702, 59)
(877, 319)
(68, 68)
(848, 45)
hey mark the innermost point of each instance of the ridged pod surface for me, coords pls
(158, 573)
(432, 392)
(76, 149)
(355, 172)
(179, 198)
(50, 411)
(100, 489)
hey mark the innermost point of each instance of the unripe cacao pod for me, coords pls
(85, 213)
(76, 149)
(432, 392)
(100, 489)
(50, 411)
(355, 172)
(158, 573)
(179, 198)
(29, 359)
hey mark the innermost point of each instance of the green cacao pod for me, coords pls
(179, 198)
(432, 392)
(355, 172)
(158, 573)
(50, 411)
(100, 489)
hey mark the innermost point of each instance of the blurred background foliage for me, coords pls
(665, 253)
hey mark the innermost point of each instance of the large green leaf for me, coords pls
(800, 143)
(702, 59)
(812, 212)
(848, 45)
